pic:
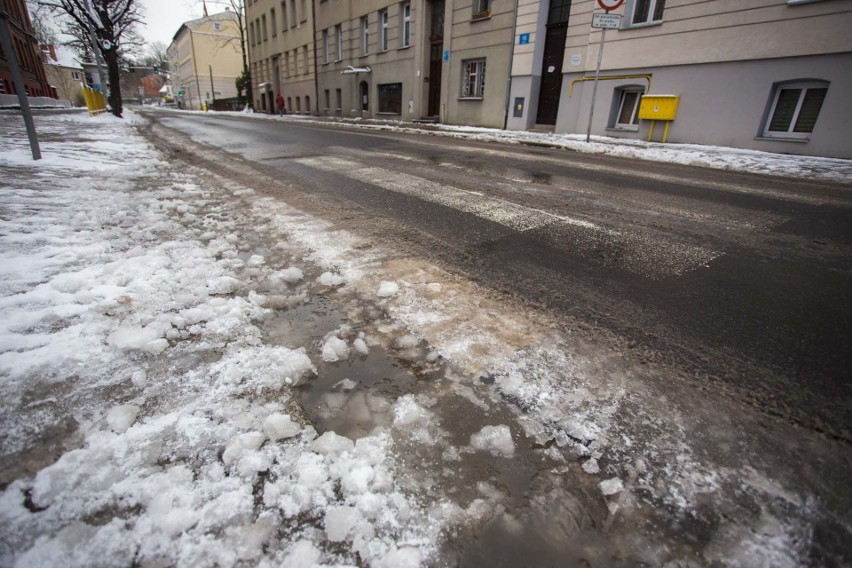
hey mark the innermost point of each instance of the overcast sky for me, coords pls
(164, 17)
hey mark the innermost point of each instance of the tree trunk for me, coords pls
(111, 60)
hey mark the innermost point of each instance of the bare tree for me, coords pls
(239, 9)
(112, 24)
(157, 55)
(40, 17)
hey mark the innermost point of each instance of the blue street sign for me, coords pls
(523, 39)
(446, 55)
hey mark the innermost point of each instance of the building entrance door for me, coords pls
(551, 70)
(436, 54)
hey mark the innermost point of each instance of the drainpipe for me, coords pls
(511, 59)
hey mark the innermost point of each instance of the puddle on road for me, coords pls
(540, 510)
(354, 397)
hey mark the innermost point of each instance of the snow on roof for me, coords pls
(65, 57)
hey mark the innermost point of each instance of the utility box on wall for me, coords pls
(658, 107)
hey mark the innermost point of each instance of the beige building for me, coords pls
(205, 60)
(763, 74)
(65, 74)
(415, 59)
(281, 52)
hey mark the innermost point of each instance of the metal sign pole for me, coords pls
(18, 81)
(595, 87)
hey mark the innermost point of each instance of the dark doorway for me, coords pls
(551, 69)
(436, 54)
(365, 96)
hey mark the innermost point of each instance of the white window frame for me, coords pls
(652, 7)
(473, 79)
(622, 93)
(383, 30)
(406, 25)
(340, 42)
(481, 9)
(790, 133)
(365, 35)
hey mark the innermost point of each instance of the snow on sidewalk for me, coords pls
(144, 419)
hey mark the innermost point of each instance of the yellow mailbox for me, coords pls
(658, 107)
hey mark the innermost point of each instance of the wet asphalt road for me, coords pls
(740, 282)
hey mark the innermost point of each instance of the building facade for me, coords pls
(27, 52)
(205, 60)
(65, 74)
(434, 60)
(281, 52)
(769, 75)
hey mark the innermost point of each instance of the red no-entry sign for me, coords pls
(610, 4)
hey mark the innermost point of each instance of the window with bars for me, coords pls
(473, 79)
(795, 108)
(648, 11)
(390, 98)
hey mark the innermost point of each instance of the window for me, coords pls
(307, 69)
(327, 99)
(406, 25)
(307, 104)
(383, 30)
(648, 11)
(298, 104)
(365, 36)
(293, 20)
(273, 22)
(284, 25)
(290, 103)
(481, 9)
(263, 27)
(217, 26)
(626, 108)
(340, 42)
(304, 4)
(795, 108)
(473, 79)
(251, 33)
(390, 98)
(325, 57)
(339, 96)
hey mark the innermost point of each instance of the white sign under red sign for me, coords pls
(610, 5)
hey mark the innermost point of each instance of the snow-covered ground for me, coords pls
(159, 331)
(716, 157)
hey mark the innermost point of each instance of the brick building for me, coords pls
(28, 54)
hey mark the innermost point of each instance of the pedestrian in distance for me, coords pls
(279, 102)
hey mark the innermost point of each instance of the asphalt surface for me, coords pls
(741, 283)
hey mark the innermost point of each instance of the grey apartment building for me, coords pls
(760, 74)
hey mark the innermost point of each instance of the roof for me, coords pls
(226, 15)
